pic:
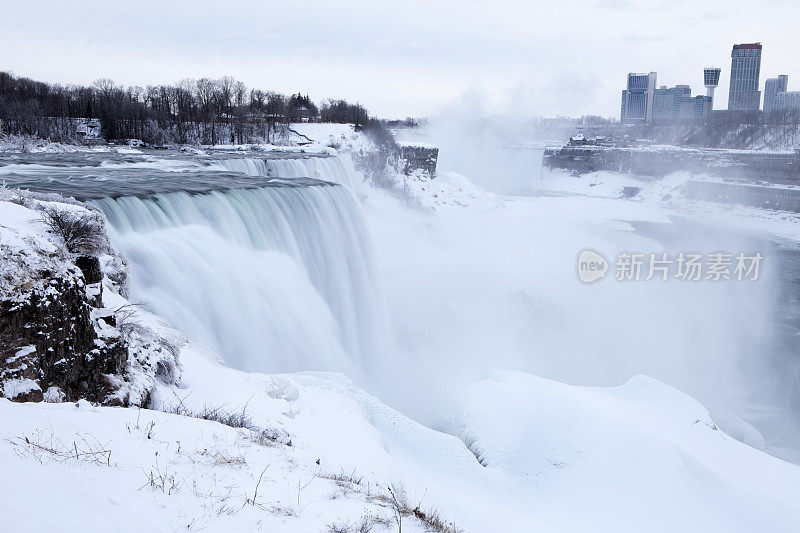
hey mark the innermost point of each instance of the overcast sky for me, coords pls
(403, 57)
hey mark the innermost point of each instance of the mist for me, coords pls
(496, 288)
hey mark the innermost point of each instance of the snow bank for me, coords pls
(641, 456)
(319, 451)
(35, 145)
(342, 137)
(287, 149)
(667, 193)
(104, 469)
(445, 190)
(416, 144)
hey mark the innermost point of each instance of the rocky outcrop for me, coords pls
(63, 336)
(49, 340)
(418, 157)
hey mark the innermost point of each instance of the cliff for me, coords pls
(66, 330)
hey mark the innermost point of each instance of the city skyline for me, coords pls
(402, 60)
(645, 101)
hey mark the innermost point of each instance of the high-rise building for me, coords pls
(663, 104)
(772, 87)
(711, 80)
(637, 98)
(745, 70)
(788, 103)
(780, 103)
(703, 105)
(675, 104)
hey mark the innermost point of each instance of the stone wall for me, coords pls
(731, 193)
(772, 167)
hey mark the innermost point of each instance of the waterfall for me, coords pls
(274, 279)
(335, 169)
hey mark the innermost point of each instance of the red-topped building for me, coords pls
(745, 71)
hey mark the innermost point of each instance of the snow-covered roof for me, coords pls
(415, 144)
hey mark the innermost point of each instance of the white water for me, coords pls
(274, 279)
(338, 169)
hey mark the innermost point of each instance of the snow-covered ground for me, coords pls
(33, 145)
(339, 136)
(322, 453)
(666, 193)
(474, 281)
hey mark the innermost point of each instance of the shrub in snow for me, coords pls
(81, 231)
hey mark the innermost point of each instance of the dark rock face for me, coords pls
(418, 158)
(48, 338)
(90, 266)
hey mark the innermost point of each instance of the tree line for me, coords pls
(205, 111)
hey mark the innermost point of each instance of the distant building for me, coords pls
(667, 101)
(745, 70)
(782, 102)
(772, 87)
(787, 101)
(711, 81)
(675, 104)
(663, 103)
(578, 140)
(637, 99)
(776, 96)
(703, 105)
(778, 100)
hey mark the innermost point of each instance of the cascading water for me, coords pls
(274, 279)
(337, 169)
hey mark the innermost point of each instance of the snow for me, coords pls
(667, 193)
(322, 430)
(593, 184)
(192, 150)
(19, 226)
(15, 387)
(416, 144)
(560, 458)
(342, 137)
(22, 352)
(145, 470)
(34, 145)
(264, 147)
(510, 451)
(128, 150)
(27, 250)
(445, 189)
(626, 457)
